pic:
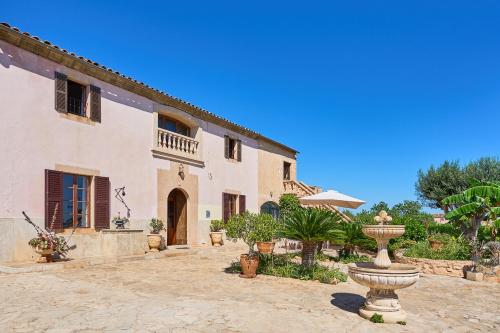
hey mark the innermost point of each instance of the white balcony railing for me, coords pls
(176, 142)
(176, 146)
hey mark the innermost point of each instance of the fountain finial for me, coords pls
(383, 218)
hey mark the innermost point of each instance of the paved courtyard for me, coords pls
(193, 294)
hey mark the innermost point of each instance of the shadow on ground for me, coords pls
(347, 301)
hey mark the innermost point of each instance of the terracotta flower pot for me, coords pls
(45, 255)
(216, 237)
(265, 247)
(249, 266)
(154, 242)
(435, 244)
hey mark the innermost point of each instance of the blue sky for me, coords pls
(368, 91)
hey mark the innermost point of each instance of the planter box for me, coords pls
(474, 276)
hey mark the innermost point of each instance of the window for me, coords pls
(173, 125)
(75, 201)
(270, 208)
(76, 98)
(232, 148)
(286, 170)
(71, 97)
(232, 204)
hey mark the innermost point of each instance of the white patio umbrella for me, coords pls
(331, 197)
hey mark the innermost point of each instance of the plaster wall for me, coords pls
(34, 137)
(270, 176)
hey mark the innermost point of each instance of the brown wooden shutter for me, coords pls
(61, 92)
(101, 203)
(238, 150)
(53, 198)
(226, 210)
(242, 204)
(226, 146)
(95, 104)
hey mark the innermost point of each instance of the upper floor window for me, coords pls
(71, 97)
(232, 148)
(76, 98)
(286, 170)
(173, 125)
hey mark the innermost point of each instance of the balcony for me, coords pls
(176, 147)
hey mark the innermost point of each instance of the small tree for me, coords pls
(289, 203)
(266, 228)
(311, 226)
(473, 206)
(243, 226)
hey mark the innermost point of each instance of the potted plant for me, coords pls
(243, 227)
(154, 238)
(266, 229)
(120, 221)
(216, 227)
(437, 241)
(47, 243)
(43, 247)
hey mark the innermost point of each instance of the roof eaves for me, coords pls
(54, 53)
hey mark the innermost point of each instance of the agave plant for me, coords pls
(311, 226)
(473, 206)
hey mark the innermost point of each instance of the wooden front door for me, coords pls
(177, 218)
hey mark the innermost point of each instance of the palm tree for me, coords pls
(311, 226)
(473, 206)
(353, 237)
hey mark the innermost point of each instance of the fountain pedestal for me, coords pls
(382, 276)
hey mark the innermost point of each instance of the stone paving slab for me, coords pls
(193, 294)
(31, 267)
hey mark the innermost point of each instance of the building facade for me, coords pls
(73, 133)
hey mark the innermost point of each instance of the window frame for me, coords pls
(287, 170)
(74, 212)
(162, 117)
(84, 97)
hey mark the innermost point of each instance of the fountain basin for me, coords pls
(397, 276)
(382, 298)
(383, 232)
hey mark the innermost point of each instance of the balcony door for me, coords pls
(177, 218)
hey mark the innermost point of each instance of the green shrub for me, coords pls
(414, 229)
(439, 237)
(446, 228)
(282, 266)
(353, 258)
(400, 243)
(266, 228)
(377, 318)
(454, 249)
(216, 225)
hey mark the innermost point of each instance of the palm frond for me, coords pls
(312, 225)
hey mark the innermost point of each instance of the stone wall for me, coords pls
(440, 267)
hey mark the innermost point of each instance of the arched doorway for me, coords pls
(177, 218)
(270, 208)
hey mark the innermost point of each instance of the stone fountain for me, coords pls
(382, 276)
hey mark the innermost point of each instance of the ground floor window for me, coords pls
(270, 208)
(232, 204)
(76, 197)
